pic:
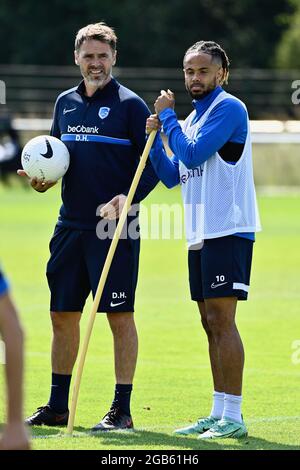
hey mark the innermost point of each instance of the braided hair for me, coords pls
(215, 50)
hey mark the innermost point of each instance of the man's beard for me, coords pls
(97, 82)
(203, 94)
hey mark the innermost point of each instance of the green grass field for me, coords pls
(173, 383)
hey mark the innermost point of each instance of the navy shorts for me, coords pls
(75, 265)
(3, 284)
(221, 268)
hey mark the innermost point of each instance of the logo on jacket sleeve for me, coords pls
(103, 112)
(66, 110)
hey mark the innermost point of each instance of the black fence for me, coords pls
(31, 90)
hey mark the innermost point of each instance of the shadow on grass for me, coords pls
(143, 439)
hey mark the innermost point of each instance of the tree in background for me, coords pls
(288, 52)
(153, 34)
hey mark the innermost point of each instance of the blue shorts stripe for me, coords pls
(94, 138)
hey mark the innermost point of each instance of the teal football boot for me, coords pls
(202, 425)
(225, 428)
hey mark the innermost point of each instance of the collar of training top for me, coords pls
(107, 90)
(204, 103)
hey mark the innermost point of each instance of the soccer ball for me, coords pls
(45, 158)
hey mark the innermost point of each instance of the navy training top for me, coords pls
(105, 135)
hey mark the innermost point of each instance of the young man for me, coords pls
(212, 161)
(14, 436)
(103, 125)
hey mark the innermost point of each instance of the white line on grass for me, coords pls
(77, 434)
(271, 419)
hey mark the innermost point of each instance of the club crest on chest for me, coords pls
(103, 112)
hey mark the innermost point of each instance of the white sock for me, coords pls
(218, 405)
(232, 407)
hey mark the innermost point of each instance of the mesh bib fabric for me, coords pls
(219, 198)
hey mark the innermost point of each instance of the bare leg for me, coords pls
(15, 436)
(125, 345)
(218, 379)
(65, 342)
(220, 316)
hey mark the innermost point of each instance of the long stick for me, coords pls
(103, 277)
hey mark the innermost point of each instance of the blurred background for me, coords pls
(261, 37)
(262, 40)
